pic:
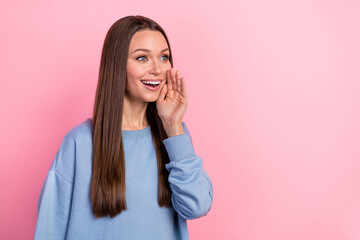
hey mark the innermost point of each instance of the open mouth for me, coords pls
(151, 83)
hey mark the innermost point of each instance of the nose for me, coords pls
(155, 68)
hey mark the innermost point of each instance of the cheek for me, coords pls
(135, 72)
(167, 67)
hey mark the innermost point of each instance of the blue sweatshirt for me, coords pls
(64, 206)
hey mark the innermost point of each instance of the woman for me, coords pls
(130, 171)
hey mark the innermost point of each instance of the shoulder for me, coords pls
(78, 136)
(80, 132)
(77, 139)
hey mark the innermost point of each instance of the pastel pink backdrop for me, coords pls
(274, 107)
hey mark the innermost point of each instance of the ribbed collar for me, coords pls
(131, 134)
(136, 134)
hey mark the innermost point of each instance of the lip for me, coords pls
(152, 80)
(152, 88)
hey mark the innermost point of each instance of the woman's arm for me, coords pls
(192, 191)
(54, 202)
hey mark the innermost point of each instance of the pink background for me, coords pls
(274, 107)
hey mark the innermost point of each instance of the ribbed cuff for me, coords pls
(179, 147)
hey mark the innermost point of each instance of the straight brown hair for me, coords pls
(107, 189)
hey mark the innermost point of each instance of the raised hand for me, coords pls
(172, 102)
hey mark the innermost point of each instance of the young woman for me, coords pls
(130, 171)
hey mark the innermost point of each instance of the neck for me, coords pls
(134, 115)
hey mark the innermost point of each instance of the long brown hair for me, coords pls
(107, 189)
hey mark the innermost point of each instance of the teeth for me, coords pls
(151, 82)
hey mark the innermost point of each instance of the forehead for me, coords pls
(149, 39)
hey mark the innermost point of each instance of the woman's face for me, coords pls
(148, 60)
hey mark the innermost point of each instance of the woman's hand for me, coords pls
(171, 109)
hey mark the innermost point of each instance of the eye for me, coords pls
(166, 56)
(138, 58)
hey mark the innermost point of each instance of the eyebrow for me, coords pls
(148, 50)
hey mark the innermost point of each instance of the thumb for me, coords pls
(163, 93)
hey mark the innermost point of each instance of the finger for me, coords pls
(169, 81)
(162, 93)
(174, 87)
(183, 88)
(177, 77)
(178, 84)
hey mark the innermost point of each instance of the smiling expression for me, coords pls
(148, 60)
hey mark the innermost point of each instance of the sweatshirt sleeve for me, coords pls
(192, 191)
(54, 201)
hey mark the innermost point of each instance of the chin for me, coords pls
(149, 100)
(153, 98)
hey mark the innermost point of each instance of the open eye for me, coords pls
(166, 57)
(140, 57)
